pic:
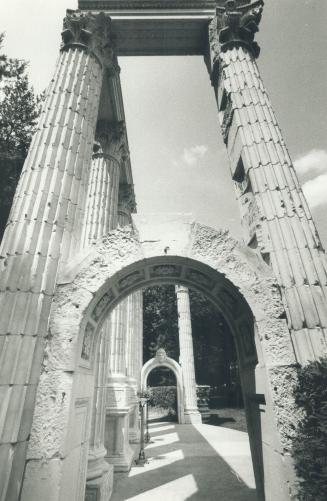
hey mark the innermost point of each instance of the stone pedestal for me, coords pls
(99, 480)
(191, 412)
(119, 453)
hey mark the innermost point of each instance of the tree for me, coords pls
(214, 348)
(19, 112)
(160, 321)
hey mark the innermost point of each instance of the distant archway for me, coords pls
(161, 360)
(229, 274)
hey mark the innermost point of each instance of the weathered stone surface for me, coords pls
(228, 273)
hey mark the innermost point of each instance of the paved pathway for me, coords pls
(196, 463)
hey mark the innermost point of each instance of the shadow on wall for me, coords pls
(310, 443)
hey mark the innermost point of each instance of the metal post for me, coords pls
(147, 435)
(141, 461)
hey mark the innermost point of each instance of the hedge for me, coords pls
(163, 396)
(310, 443)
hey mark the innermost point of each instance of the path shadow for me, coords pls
(182, 462)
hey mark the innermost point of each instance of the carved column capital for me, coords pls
(235, 25)
(92, 33)
(110, 131)
(111, 136)
(126, 199)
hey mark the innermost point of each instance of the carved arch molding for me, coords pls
(154, 252)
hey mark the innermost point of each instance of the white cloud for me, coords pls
(193, 154)
(314, 163)
(315, 190)
(312, 170)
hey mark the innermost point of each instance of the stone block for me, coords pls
(42, 480)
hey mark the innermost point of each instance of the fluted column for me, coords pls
(97, 222)
(275, 214)
(116, 328)
(133, 368)
(186, 355)
(40, 230)
(97, 214)
(99, 477)
(277, 223)
(100, 214)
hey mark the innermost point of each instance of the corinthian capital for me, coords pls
(110, 131)
(90, 32)
(126, 198)
(236, 24)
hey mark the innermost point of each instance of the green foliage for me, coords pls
(164, 397)
(213, 344)
(19, 108)
(160, 323)
(19, 111)
(214, 349)
(310, 444)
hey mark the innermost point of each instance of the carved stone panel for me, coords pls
(200, 278)
(131, 279)
(102, 305)
(87, 341)
(165, 270)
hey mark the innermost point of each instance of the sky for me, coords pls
(178, 158)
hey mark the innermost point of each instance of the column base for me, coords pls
(119, 453)
(134, 426)
(123, 462)
(100, 488)
(192, 417)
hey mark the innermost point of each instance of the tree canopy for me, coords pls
(214, 349)
(19, 112)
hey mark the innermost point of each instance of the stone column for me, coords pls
(99, 478)
(133, 367)
(276, 219)
(119, 391)
(97, 214)
(275, 214)
(119, 452)
(40, 227)
(186, 357)
(102, 181)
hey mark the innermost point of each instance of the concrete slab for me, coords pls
(202, 463)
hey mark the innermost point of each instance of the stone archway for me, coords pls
(161, 360)
(230, 275)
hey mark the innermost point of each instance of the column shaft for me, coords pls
(118, 327)
(40, 227)
(102, 197)
(97, 214)
(274, 211)
(191, 412)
